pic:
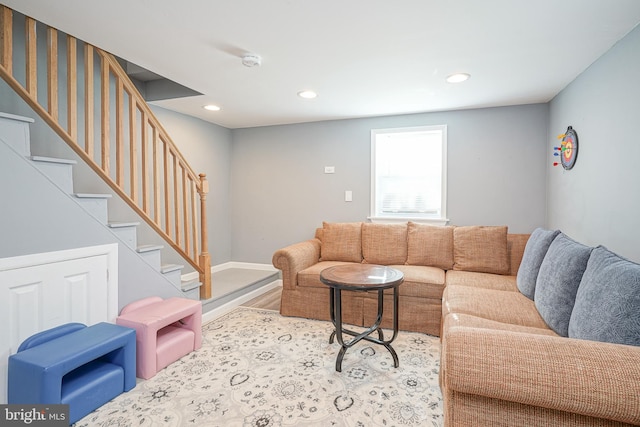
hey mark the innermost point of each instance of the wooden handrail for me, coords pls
(136, 156)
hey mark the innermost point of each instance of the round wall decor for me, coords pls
(569, 149)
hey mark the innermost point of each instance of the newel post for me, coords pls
(205, 258)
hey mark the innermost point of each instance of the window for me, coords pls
(408, 174)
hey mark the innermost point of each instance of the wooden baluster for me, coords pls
(119, 133)
(72, 88)
(31, 58)
(6, 39)
(176, 201)
(156, 177)
(145, 165)
(185, 210)
(194, 216)
(167, 201)
(105, 146)
(52, 73)
(133, 148)
(88, 100)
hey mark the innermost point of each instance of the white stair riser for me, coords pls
(174, 277)
(60, 174)
(192, 293)
(128, 235)
(153, 258)
(95, 207)
(15, 132)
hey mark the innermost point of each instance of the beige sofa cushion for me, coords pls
(498, 282)
(430, 245)
(384, 244)
(470, 321)
(341, 241)
(420, 281)
(500, 306)
(481, 248)
(310, 277)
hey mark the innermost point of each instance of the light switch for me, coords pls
(348, 196)
(329, 169)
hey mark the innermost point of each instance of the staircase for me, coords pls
(14, 132)
(82, 93)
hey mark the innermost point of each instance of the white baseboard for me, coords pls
(245, 265)
(225, 308)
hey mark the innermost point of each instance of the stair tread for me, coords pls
(15, 117)
(123, 224)
(168, 268)
(191, 284)
(53, 160)
(148, 248)
(92, 196)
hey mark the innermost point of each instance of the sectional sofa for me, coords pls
(536, 330)
(430, 258)
(560, 348)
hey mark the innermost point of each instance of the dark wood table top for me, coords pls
(361, 277)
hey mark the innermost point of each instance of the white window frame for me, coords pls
(435, 219)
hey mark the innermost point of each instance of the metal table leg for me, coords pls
(335, 307)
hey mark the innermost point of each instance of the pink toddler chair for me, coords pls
(166, 330)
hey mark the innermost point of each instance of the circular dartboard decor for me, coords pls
(569, 149)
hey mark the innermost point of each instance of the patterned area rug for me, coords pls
(259, 369)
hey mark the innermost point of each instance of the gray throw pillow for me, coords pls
(558, 280)
(534, 253)
(608, 301)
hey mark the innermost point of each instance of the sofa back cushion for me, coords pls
(534, 253)
(515, 246)
(558, 280)
(384, 244)
(607, 305)
(481, 248)
(341, 241)
(430, 245)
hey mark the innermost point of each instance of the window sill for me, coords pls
(395, 220)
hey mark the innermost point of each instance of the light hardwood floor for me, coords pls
(268, 301)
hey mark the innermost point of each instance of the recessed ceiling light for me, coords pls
(308, 94)
(211, 107)
(458, 78)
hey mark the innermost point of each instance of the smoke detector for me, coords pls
(251, 60)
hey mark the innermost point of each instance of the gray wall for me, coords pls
(280, 194)
(598, 201)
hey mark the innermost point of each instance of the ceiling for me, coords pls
(363, 57)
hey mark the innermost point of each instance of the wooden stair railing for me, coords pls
(114, 131)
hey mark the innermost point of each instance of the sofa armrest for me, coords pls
(577, 376)
(296, 257)
(50, 335)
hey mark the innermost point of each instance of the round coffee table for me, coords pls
(361, 277)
